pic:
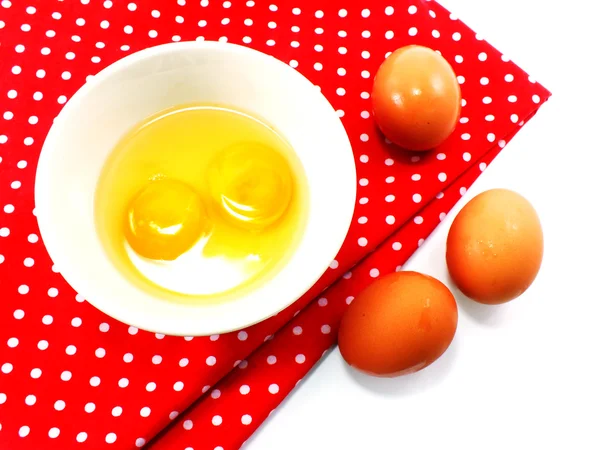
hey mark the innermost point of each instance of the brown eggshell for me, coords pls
(416, 98)
(495, 246)
(399, 324)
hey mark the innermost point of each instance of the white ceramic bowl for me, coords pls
(151, 80)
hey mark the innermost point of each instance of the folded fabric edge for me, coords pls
(307, 369)
(294, 317)
(165, 440)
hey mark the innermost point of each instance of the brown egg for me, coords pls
(495, 246)
(416, 98)
(398, 325)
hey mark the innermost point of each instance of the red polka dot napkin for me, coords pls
(71, 377)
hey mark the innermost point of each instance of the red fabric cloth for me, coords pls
(71, 377)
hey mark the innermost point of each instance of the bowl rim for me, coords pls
(43, 176)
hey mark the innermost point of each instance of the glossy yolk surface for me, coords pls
(252, 185)
(164, 220)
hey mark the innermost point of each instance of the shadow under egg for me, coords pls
(411, 384)
(402, 155)
(490, 315)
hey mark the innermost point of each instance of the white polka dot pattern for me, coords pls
(72, 377)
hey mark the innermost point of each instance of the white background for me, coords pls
(525, 375)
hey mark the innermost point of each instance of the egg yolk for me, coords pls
(252, 184)
(164, 220)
